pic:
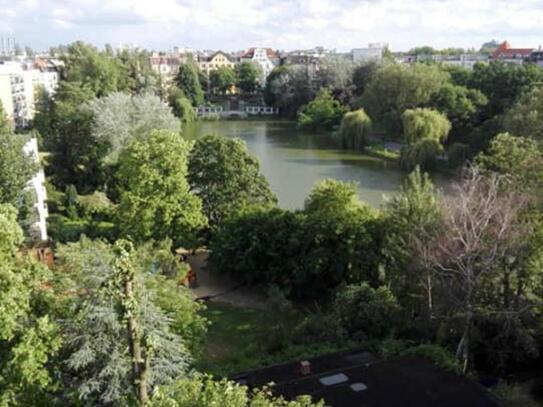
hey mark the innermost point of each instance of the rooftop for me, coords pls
(358, 379)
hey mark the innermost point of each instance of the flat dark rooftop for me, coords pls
(401, 382)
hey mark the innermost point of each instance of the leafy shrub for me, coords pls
(364, 312)
(323, 112)
(458, 154)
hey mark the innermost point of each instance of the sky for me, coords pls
(282, 24)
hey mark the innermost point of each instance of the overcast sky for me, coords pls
(283, 24)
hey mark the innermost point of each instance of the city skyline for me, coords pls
(281, 24)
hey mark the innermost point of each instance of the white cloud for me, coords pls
(236, 24)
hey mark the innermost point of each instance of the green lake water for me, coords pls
(294, 160)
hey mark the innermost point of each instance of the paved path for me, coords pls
(221, 288)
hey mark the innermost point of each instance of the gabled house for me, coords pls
(511, 55)
(216, 60)
(266, 58)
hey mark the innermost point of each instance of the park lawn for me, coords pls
(241, 339)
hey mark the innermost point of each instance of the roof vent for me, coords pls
(333, 379)
(304, 368)
(358, 387)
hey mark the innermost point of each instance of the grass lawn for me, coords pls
(241, 339)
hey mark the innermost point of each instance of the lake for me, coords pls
(294, 160)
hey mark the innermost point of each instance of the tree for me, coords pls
(248, 77)
(119, 343)
(482, 227)
(424, 130)
(288, 88)
(226, 177)
(75, 157)
(222, 79)
(363, 312)
(181, 105)
(525, 118)
(188, 81)
(155, 202)
(396, 88)
(88, 67)
(323, 112)
(420, 124)
(461, 106)
(339, 240)
(354, 130)
(362, 75)
(120, 118)
(503, 83)
(411, 218)
(28, 338)
(16, 167)
(516, 157)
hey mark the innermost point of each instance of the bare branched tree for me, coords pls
(481, 227)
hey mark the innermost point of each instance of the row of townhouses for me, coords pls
(167, 63)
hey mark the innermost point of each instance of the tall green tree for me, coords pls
(226, 177)
(517, 157)
(119, 343)
(504, 83)
(222, 79)
(288, 88)
(411, 218)
(16, 168)
(102, 73)
(248, 77)
(181, 105)
(28, 337)
(396, 88)
(75, 156)
(525, 118)
(323, 112)
(155, 201)
(188, 81)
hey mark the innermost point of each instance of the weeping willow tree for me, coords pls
(354, 130)
(424, 130)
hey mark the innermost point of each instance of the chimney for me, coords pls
(304, 368)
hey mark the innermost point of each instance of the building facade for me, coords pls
(214, 61)
(373, 52)
(36, 187)
(265, 58)
(511, 55)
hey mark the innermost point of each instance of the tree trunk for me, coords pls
(139, 364)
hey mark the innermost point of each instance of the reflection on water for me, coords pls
(294, 160)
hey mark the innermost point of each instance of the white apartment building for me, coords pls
(373, 52)
(39, 195)
(266, 58)
(18, 85)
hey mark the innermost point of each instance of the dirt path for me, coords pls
(221, 288)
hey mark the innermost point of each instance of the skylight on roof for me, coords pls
(358, 387)
(333, 379)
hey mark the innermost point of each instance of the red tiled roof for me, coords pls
(505, 51)
(269, 52)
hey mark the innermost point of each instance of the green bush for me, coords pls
(364, 312)
(423, 153)
(354, 130)
(324, 112)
